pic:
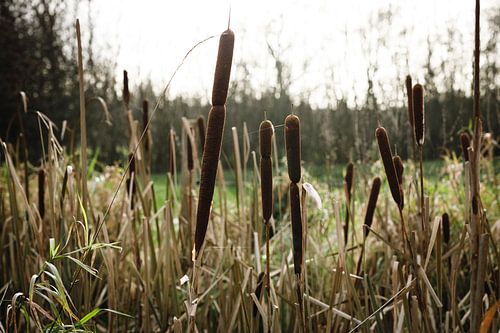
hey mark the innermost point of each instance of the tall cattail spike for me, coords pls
(419, 114)
(126, 92)
(465, 143)
(266, 131)
(386, 155)
(223, 68)
(41, 192)
(292, 143)
(210, 161)
(445, 219)
(398, 164)
(372, 204)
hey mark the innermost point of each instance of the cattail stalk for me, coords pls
(465, 144)
(292, 143)
(213, 139)
(348, 181)
(419, 119)
(266, 131)
(126, 92)
(370, 211)
(398, 165)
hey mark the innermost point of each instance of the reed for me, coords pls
(223, 68)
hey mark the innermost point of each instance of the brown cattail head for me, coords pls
(446, 227)
(266, 186)
(349, 178)
(296, 227)
(292, 143)
(418, 114)
(398, 164)
(171, 152)
(126, 92)
(409, 93)
(190, 159)
(223, 68)
(131, 177)
(465, 143)
(266, 132)
(386, 154)
(41, 193)
(145, 119)
(258, 291)
(372, 204)
(210, 161)
(201, 131)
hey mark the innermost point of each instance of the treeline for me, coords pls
(38, 57)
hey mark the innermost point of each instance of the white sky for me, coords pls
(149, 38)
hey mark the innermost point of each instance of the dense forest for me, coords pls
(37, 60)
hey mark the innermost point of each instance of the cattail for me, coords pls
(201, 131)
(223, 68)
(292, 142)
(446, 227)
(41, 193)
(126, 92)
(409, 93)
(266, 132)
(418, 114)
(398, 165)
(258, 290)
(130, 179)
(145, 119)
(465, 142)
(386, 155)
(296, 227)
(348, 180)
(372, 204)
(210, 160)
(213, 138)
(190, 159)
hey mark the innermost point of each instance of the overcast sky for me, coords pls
(321, 41)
